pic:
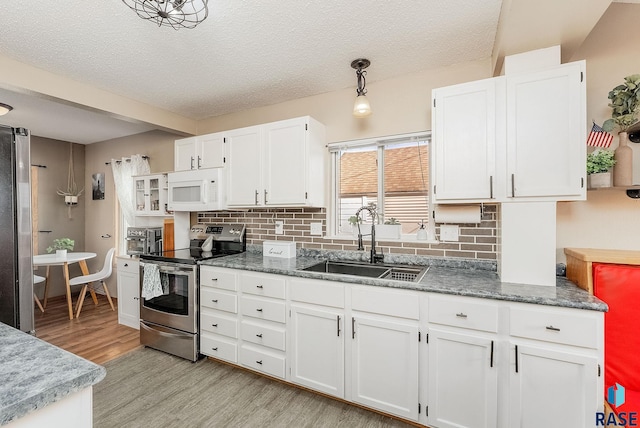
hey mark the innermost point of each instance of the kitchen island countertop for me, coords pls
(34, 373)
(446, 280)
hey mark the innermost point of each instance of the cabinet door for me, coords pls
(244, 169)
(141, 196)
(464, 141)
(384, 365)
(463, 380)
(546, 133)
(285, 162)
(317, 349)
(210, 151)
(128, 293)
(550, 387)
(184, 152)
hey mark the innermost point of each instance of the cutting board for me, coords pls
(168, 238)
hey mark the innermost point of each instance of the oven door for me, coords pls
(178, 307)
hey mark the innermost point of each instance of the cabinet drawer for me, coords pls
(128, 265)
(218, 323)
(262, 361)
(264, 309)
(402, 304)
(211, 277)
(273, 337)
(263, 285)
(219, 347)
(567, 326)
(214, 299)
(317, 292)
(461, 312)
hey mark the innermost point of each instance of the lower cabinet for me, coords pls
(128, 279)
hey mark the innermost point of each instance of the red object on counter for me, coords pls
(619, 287)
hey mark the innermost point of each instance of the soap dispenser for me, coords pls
(421, 235)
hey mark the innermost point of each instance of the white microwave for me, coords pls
(198, 190)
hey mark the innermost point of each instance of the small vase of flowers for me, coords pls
(599, 164)
(60, 246)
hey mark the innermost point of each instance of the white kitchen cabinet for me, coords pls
(219, 322)
(317, 326)
(203, 151)
(554, 377)
(463, 358)
(464, 141)
(150, 194)
(384, 350)
(128, 279)
(277, 164)
(516, 137)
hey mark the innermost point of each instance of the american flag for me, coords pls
(598, 137)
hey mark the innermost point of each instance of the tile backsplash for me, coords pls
(477, 241)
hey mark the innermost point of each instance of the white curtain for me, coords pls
(123, 172)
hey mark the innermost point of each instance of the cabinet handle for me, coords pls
(199, 164)
(259, 335)
(259, 362)
(214, 300)
(265, 196)
(353, 328)
(191, 162)
(552, 328)
(214, 325)
(338, 324)
(214, 349)
(491, 186)
(126, 265)
(259, 310)
(491, 362)
(516, 358)
(256, 197)
(259, 286)
(461, 315)
(214, 279)
(513, 185)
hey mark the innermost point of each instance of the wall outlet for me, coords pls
(279, 227)
(316, 229)
(449, 232)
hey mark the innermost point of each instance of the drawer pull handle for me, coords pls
(552, 328)
(214, 279)
(259, 362)
(214, 300)
(214, 325)
(215, 349)
(461, 315)
(259, 310)
(126, 265)
(259, 286)
(259, 335)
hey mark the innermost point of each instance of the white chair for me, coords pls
(37, 280)
(87, 280)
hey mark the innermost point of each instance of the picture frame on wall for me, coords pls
(97, 185)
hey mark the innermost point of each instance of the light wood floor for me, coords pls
(96, 335)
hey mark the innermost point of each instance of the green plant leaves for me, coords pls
(625, 104)
(600, 161)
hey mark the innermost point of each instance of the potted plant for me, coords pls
(60, 246)
(625, 105)
(599, 164)
(391, 229)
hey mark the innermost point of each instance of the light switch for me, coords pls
(449, 232)
(279, 227)
(316, 229)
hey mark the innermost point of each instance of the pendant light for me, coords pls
(361, 108)
(171, 13)
(5, 108)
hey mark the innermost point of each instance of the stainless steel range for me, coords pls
(169, 281)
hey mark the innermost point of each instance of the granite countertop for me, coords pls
(34, 373)
(455, 277)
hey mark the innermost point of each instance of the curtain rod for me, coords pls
(127, 159)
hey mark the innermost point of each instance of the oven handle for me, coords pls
(171, 269)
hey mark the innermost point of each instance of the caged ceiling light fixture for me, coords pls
(361, 108)
(171, 13)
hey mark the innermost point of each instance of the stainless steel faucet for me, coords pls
(374, 257)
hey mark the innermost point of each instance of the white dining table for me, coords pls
(49, 260)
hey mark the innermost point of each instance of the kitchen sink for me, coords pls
(397, 273)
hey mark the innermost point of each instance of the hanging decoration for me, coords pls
(72, 193)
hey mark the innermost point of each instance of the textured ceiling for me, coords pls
(247, 53)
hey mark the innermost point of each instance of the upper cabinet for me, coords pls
(150, 193)
(516, 137)
(204, 151)
(276, 164)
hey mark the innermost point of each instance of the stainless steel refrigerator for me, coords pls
(16, 257)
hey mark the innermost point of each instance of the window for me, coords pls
(390, 174)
